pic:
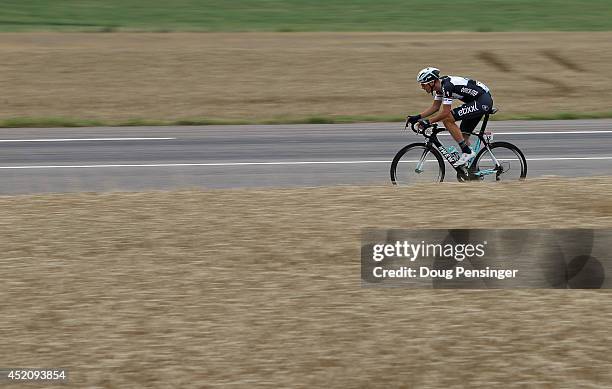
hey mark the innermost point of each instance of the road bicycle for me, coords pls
(424, 162)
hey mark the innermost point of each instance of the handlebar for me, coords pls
(433, 128)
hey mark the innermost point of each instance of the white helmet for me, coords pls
(428, 75)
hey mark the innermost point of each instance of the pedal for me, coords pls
(462, 174)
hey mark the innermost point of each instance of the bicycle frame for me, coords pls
(432, 141)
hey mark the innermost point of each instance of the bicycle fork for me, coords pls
(419, 166)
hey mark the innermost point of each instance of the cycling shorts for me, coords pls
(471, 113)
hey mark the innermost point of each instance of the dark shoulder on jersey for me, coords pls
(447, 86)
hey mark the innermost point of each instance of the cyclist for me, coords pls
(475, 95)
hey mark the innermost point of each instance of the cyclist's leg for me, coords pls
(469, 114)
(451, 126)
(466, 151)
(467, 127)
(466, 139)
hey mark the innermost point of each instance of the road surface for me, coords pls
(48, 160)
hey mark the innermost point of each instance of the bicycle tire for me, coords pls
(413, 163)
(502, 170)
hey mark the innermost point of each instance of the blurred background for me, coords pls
(201, 62)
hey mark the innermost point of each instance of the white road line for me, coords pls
(546, 132)
(192, 164)
(78, 139)
(281, 163)
(569, 159)
(171, 138)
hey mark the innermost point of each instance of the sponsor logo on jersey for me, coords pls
(469, 91)
(468, 109)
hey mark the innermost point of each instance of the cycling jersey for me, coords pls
(461, 88)
(475, 95)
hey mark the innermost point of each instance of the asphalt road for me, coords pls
(154, 158)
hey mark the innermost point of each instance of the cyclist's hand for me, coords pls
(423, 124)
(413, 119)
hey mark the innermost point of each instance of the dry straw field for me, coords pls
(255, 76)
(261, 288)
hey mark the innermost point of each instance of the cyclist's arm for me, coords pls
(446, 98)
(443, 114)
(435, 107)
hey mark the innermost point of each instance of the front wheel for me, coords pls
(501, 161)
(417, 163)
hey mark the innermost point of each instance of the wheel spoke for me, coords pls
(501, 162)
(416, 164)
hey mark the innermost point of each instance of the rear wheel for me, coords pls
(417, 163)
(503, 161)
